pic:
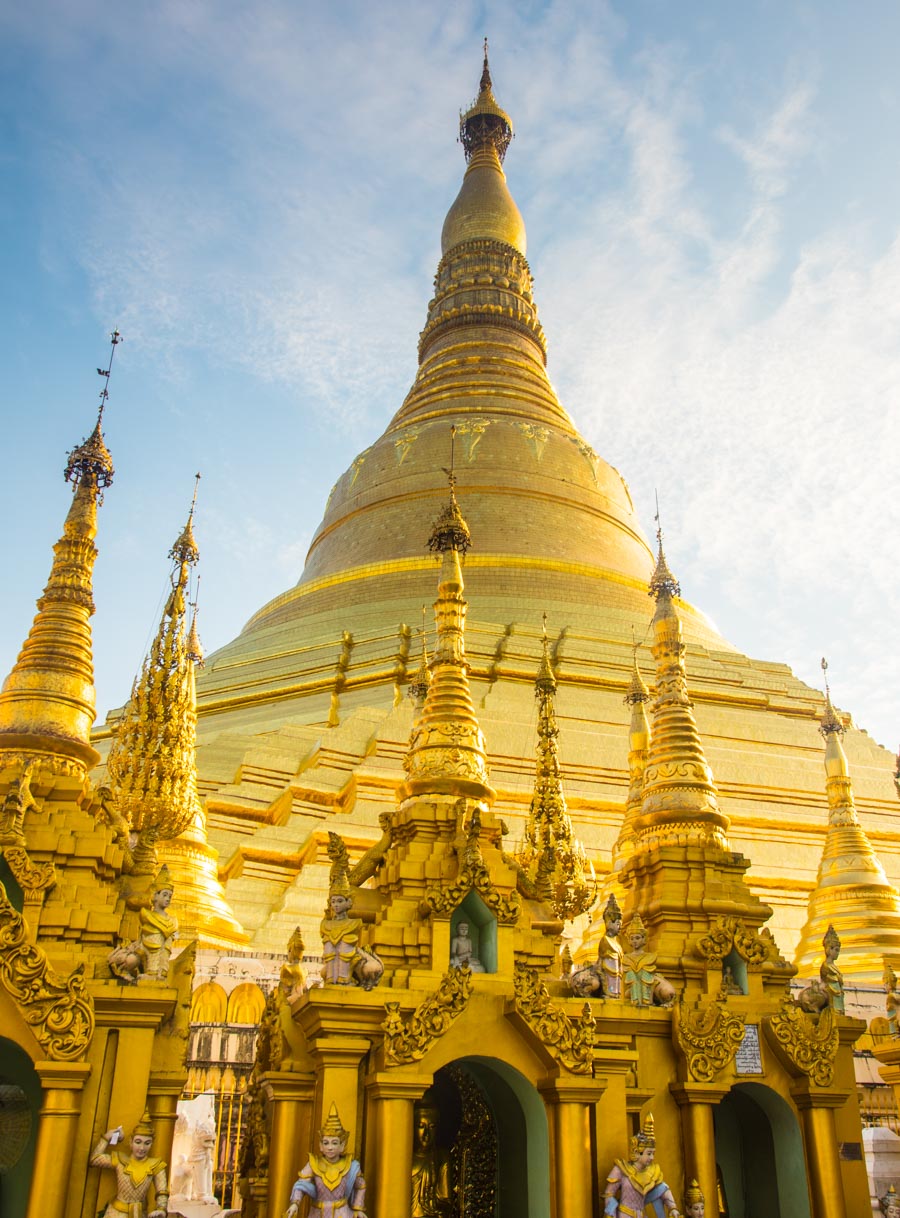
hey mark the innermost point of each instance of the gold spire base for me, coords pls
(203, 912)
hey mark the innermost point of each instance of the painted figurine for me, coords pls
(331, 1179)
(603, 978)
(158, 928)
(637, 1187)
(136, 1172)
(694, 1201)
(430, 1167)
(892, 999)
(890, 1203)
(345, 961)
(643, 987)
(462, 950)
(831, 975)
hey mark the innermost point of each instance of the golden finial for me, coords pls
(91, 459)
(830, 722)
(185, 549)
(662, 581)
(194, 646)
(545, 681)
(485, 124)
(418, 686)
(637, 690)
(450, 531)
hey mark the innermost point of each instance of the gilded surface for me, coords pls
(810, 1042)
(409, 1040)
(709, 1035)
(473, 875)
(59, 1010)
(571, 1043)
(751, 945)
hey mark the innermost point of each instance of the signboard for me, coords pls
(747, 1060)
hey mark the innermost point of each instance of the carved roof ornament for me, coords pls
(485, 123)
(473, 876)
(753, 946)
(152, 763)
(551, 856)
(409, 1040)
(708, 1035)
(59, 1010)
(807, 1044)
(571, 1042)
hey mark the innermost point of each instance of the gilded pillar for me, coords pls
(292, 1135)
(389, 1178)
(823, 1165)
(163, 1094)
(63, 1088)
(569, 1105)
(697, 1101)
(337, 1069)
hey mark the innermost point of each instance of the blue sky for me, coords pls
(254, 193)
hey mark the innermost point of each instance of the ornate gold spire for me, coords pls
(484, 209)
(639, 743)
(418, 686)
(551, 855)
(151, 764)
(852, 892)
(47, 704)
(679, 799)
(447, 751)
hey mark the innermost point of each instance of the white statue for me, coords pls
(202, 1150)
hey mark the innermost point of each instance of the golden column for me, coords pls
(292, 1133)
(697, 1102)
(63, 1090)
(823, 1165)
(389, 1179)
(569, 1103)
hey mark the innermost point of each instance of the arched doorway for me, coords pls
(20, 1102)
(759, 1150)
(493, 1127)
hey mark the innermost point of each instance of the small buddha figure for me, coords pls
(136, 1172)
(158, 928)
(462, 950)
(332, 1179)
(345, 961)
(694, 1201)
(890, 1203)
(892, 999)
(637, 1187)
(729, 985)
(430, 1166)
(643, 987)
(831, 975)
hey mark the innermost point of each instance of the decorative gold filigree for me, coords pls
(571, 1043)
(809, 1042)
(59, 1010)
(33, 878)
(473, 875)
(409, 1041)
(756, 947)
(708, 1035)
(473, 1157)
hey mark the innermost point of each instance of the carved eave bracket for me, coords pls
(568, 1041)
(35, 879)
(59, 1010)
(707, 1036)
(805, 1044)
(407, 1041)
(474, 876)
(756, 947)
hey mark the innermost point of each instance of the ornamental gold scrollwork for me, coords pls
(59, 1010)
(33, 878)
(571, 1043)
(756, 947)
(808, 1042)
(408, 1041)
(474, 874)
(709, 1036)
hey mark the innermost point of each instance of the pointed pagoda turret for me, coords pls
(639, 744)
(47, 704)
(852, 892)
(152, 763)
(681, 875)
(418, 686)
(551, 856)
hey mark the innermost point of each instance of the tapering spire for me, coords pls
(679, 798)
(637, 698)
(48, 700)
(447, 748)
(152, 767)
(194, 646)
(550, 854)
(485, 123)
(852, 892)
